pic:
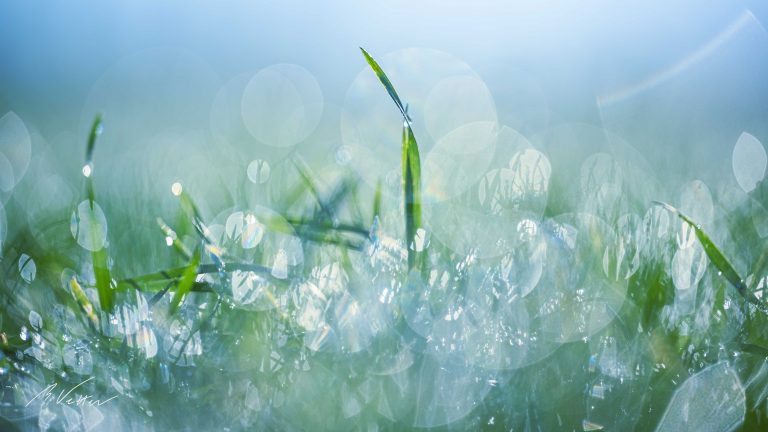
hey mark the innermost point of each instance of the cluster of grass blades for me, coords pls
(199, 258)
(181, 281)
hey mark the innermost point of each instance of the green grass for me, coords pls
(258, 353)
(100, 265)
(411, 165)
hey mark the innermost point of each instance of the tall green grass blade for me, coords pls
(716, 257)
(186, 281)
(103, 279)
(411, 165)
(387, 83)
(90, 146)
(411, 190)
(99, 257)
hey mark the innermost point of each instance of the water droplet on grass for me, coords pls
(343, 155)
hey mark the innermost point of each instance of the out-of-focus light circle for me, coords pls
(749, 161)
(6, 174)
(245, 228)
(258, 171)
(147, 93)
(27, 268)
(88, 226)
(688, 266)
(281, 105)
(696, 203)
(3, 226)
(176, 188)
(457, 101)
(15, 150)
(458, 160)
(522, 186)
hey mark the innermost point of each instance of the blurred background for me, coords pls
(536, 120)
(625, 67)
(235, 90)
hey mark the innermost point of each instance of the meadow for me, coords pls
(436, 271)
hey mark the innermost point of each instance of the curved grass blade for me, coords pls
(411, 166)
(186, 281)
(717, 258)
(88, 169)
(387, 83)
(100, 264)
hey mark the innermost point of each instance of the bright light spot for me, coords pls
(168, 240)
(420, 240)
(176, 188)
(87, 170)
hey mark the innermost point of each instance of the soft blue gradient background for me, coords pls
(51, 53)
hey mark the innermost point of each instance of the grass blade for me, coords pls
(411, 190)
(411, 166)
(90, 146)
(387, 83)
(716, 257)
(103, 279)
(186, 281)
(100, 261)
